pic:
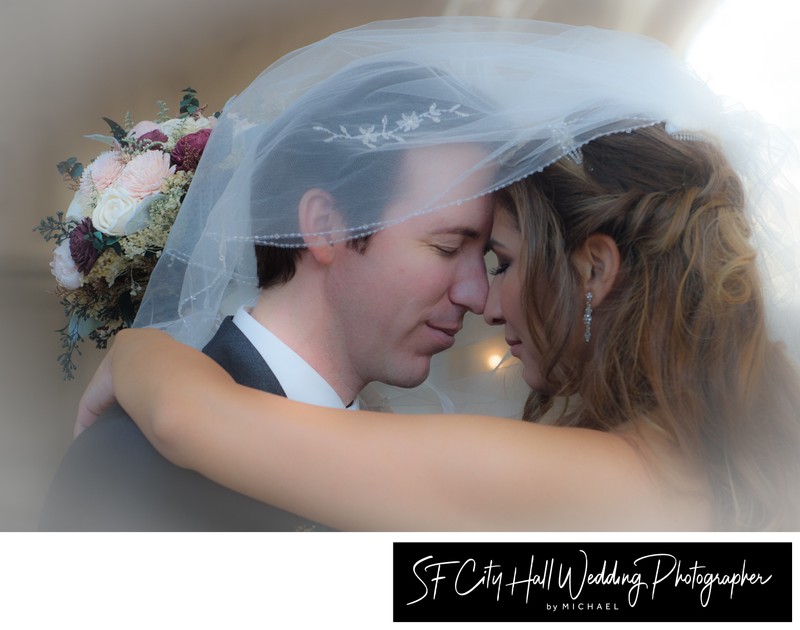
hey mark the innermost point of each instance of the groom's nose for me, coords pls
(471, 286)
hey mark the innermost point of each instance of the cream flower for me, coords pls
(64, 268)
(176, 127)
(145, 173)
(80, 207)
(102, 172)
(114, 209)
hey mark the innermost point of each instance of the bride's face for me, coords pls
(504, 304)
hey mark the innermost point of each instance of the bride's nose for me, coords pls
(492, 312)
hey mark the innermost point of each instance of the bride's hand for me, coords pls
(148, 401)
(98, 397)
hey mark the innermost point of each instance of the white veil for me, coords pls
(529, 92)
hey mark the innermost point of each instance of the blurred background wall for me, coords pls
(64, 65)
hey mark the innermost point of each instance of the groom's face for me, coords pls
(404, 298)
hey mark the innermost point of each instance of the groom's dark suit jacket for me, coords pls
(112, 479)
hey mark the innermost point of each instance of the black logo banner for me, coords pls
(642, 581)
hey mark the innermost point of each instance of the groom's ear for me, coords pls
(320, 222)
(597, 262)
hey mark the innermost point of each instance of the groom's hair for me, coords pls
(305, 149)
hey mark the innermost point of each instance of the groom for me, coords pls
(332, 316)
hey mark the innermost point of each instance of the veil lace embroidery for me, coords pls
(371, 138)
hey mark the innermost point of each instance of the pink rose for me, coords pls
(102, 172)
(143, 127)
(189, 149)
(145, 173)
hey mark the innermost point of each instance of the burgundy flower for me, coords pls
(155, 136)
(81, 246)
(189, 149)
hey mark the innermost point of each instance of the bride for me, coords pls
(633, 281)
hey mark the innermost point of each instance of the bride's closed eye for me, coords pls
(499, 269)
(500, 259)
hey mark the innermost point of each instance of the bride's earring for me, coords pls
(587, 318)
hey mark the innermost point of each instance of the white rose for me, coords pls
(114, 208)
(64, 269)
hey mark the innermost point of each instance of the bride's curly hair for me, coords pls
(680, 344)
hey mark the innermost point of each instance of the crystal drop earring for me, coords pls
(587, 318)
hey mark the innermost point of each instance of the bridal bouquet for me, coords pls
(126, 200)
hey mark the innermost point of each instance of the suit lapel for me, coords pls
(234, 352)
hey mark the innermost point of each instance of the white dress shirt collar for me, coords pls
(299, 380)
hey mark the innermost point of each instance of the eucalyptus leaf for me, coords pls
(80, 327)
(141, 216)
(70, 168)
(189, 103)
(67, 165)
(101, 138)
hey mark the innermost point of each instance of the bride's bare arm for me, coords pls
(375, 471)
